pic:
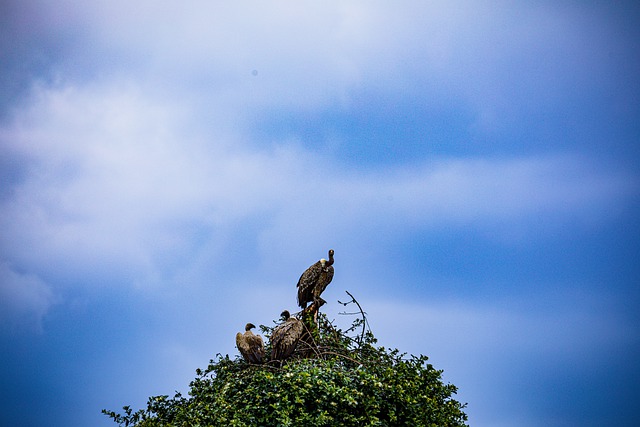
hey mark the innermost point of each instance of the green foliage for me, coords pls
(348, 381)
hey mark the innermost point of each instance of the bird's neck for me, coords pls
(330, 262)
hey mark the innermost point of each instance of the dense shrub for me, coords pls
(348, 381)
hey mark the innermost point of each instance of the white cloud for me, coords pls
(119, 176)
(150, 166)
(311, 55)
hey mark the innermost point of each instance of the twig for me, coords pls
(364, 317)
(341, 355)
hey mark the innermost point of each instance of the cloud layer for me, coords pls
(168, 171)
(112, 176)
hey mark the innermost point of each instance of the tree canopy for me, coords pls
(341, 378)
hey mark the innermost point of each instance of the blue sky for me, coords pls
(169, 169)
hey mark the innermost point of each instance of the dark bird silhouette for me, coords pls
(285, 337)
(315, 280)
(250, 345)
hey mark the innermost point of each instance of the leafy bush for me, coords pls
(348, 381)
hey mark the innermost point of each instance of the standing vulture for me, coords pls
(251, 346)
(285, 336)
(315, 280)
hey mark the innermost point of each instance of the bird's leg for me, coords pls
(318, 302)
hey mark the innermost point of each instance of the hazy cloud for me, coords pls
(112, 177)
(310, 56)
(24, 300)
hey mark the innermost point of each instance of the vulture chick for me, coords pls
(285, 337)
(315, 280)
(250, 345)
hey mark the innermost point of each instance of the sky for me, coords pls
(169, 169)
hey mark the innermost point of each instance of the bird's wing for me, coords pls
(288, 337)
(276, 340)
(256, 346)
(276, 334)
(329, 274)
(242, 345)
(294, 331)
(307, 282)
(323, 281)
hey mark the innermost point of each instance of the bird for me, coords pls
(315, 280)
(285, 337)
(250, 345)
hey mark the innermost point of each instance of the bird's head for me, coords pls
(330, 262)
(285, 315)
(249, 326)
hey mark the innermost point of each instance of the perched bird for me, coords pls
(285, 337)
(315, 280)
(250, 345)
